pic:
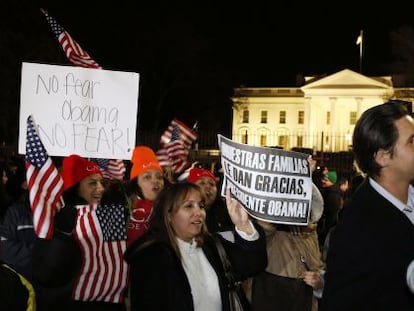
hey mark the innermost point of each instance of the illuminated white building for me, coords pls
(320, 115)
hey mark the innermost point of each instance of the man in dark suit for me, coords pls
(372, 247)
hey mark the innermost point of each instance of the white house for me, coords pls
(320, 115)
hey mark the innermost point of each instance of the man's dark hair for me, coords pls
(376, 130)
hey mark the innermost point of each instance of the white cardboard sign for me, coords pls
(90, 112)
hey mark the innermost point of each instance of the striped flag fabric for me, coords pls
(176, 142)
(44, 182)
(186, 134)
(73, 51)
(113, 169)
(174, 153)
(101, 232)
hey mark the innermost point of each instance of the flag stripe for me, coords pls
(188, 136)
(75, 53)
(44, 189)
(103, 275)
(175, 144)
(44, 183)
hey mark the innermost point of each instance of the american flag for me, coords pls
(113, 169)
(74, 53)
(44, 183)
(186, 135)
(174, 153)
(101, 232)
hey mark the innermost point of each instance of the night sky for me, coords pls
(191, 54)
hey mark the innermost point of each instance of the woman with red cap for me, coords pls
(147, 181)
(217, 216)
(82, 266)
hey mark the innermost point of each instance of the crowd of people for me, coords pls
(148, 243)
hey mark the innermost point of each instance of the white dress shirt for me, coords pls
(202, 277)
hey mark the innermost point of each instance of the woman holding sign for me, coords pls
(293, 279)
(176, 265)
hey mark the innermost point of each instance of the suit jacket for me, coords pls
(158, 280)
(369, 252)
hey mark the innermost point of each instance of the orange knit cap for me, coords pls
(143, 159)
(75, 168)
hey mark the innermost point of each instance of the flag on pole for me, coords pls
(360, 38)
(113, 168)
(174, 153)
(101, 232)
(73, 51)
(186, 135)
(175, 145)
(44, 183)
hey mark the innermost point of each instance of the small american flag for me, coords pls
(174, 153)
(101, 232)
(74, 53)
(110, 168)
(44, 183)
(186, 135)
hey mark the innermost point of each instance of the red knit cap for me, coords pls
(76, 168)
(143, 159)
(197, 173)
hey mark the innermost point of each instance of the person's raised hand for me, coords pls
(238, 214)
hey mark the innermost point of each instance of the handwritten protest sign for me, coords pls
(91, 112)
(273, 185)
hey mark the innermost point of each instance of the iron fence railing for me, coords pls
(206, 151)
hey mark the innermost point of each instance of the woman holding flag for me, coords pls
(81, 267)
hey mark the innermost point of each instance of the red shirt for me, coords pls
(138, 222)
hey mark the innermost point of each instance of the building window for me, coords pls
(263, 116)
(244, 138)
(328, 117)
(282, 117)
(262, 140)
(282, 141)
(245, 116)
(301, 117)
(299, 141)
(352, 117)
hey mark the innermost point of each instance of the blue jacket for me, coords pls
(17, 237)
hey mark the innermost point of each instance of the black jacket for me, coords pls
(159, 282)
(369, 252)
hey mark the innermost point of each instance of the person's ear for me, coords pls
(382, 157)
